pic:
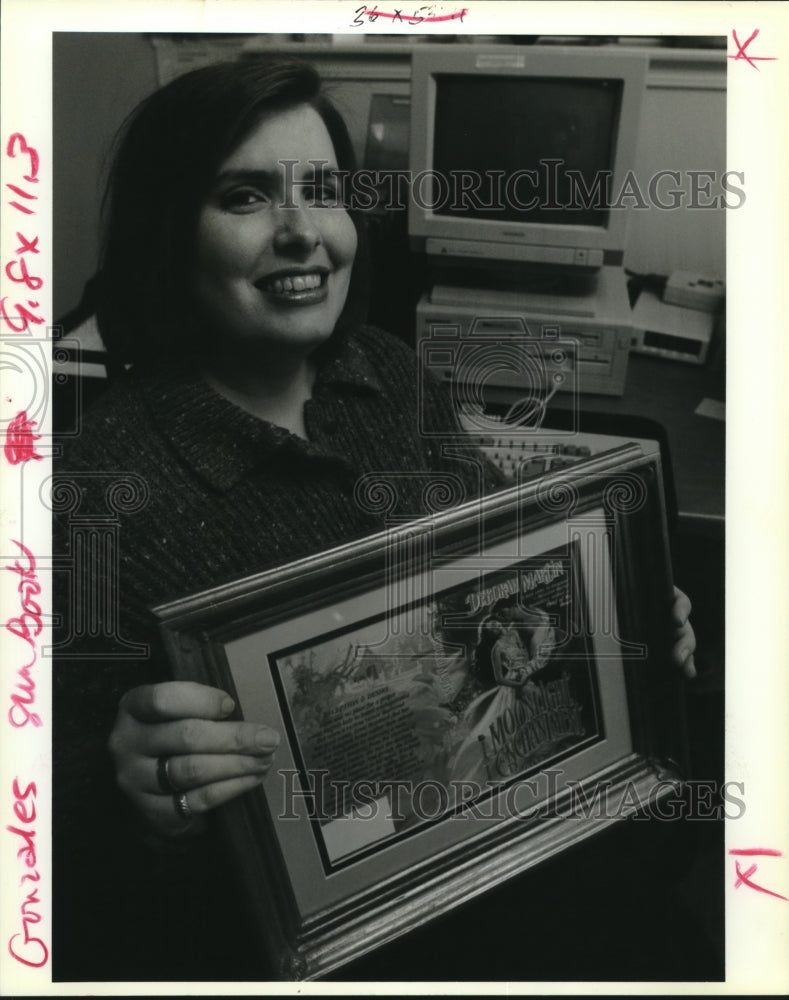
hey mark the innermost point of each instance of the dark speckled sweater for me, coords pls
(198, 493)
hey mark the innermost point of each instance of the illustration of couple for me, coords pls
(514, 644)
(512, 661)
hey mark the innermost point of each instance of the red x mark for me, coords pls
(742, 54)
(744, 877)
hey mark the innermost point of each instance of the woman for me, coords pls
(232, 282)
(512, 662)
(513, 645)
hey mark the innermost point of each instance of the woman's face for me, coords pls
(274, 260)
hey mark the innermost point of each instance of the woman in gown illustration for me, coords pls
(512, 647)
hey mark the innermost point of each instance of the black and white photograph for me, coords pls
(379, 555)
(440, 747)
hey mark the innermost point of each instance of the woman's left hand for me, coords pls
(684, 637)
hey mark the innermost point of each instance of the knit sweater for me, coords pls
(188, 491)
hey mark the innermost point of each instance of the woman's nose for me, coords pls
(296, 231)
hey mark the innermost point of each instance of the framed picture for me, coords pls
(459, 698)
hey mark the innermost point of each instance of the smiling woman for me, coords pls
(213, 152)
(252, 402)
(273, 265)
(232, 289)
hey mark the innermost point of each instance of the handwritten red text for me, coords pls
(20, 441)
(25, 946)
(20, 314)
(426, 14)
(26, 626)
(744, 877)
(742, 54)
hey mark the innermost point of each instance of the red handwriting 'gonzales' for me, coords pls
(25, 946)
(26, 626)
(19, 315)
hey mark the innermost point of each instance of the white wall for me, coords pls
(683, 128)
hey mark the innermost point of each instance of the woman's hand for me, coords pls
(684, 636)
(209, 761)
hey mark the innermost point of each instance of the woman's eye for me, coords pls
(242, 199)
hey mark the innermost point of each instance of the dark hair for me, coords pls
(482, 666)
(168, 154)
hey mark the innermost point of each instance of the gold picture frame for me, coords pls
(459, 698)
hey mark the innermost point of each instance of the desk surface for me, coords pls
(669, 392)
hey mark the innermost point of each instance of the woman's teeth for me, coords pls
(296, 283)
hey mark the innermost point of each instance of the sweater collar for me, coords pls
(220, 441)
(345, 362)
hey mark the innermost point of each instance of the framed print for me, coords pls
(459, 698)
(88, 902)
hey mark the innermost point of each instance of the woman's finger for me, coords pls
(689, 666)
(681, 608)
(201, 736)
(683, 649)
(195, 770)
(177, 700)
(685, 635)
(162, 812)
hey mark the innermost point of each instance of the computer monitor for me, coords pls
(518, 154)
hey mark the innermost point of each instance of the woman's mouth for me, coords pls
(299, 288)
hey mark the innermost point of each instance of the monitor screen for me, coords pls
(559, 135)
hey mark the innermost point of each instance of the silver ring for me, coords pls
(182, 807)
(166, 783)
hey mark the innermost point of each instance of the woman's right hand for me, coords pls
(210, 760)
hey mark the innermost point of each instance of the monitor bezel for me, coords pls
(489, 239)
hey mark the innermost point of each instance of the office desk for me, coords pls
(667, 392)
